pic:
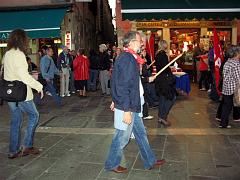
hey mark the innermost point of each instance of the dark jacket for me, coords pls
(94, 62)
(165, 82)
(104, 61)
(62, 60)
(125, 83)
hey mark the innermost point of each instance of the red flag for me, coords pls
(218, 57)
(151, 46)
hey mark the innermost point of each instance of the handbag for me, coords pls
(12, 91)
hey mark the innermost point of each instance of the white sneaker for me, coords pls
(48, 93)
(203, 89)
(73, 92)
(148, 117)
(236, 120)
(228, 127)
(132, 136)
(62, 95)
(68, 94)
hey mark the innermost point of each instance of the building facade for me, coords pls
(53, 23)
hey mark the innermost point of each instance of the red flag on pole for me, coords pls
(151, 45)
(218, 57)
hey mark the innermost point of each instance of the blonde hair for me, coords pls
(102, 47)
(162, 45)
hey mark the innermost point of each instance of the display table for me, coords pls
(182, 82)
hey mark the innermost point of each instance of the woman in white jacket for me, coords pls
(16, 68)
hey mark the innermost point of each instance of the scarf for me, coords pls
(135, 55)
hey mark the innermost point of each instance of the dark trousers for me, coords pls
(226, 109)
(145, 110)
(203, 78)
(164, 107)
(236, 111)
(81, 84)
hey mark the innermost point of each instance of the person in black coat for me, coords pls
(164, 84)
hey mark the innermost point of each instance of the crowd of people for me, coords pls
(124, 74)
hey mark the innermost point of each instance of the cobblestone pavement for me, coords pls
(75, 139)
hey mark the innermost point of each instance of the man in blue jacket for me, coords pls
(127, 95)
(48, 69)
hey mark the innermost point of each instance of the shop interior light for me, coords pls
(3, 45)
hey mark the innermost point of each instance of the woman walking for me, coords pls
(165, 84)
(16, 68)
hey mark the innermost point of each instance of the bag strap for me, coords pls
(49, 65)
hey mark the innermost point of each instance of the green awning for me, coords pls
(38, 23)
(184, 9)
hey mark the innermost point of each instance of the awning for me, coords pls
(184, 9)
(38, 23)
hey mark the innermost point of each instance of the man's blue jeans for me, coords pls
(16, 123)
(92, 82)
(121, 139)
(50, 87)
(165, 106)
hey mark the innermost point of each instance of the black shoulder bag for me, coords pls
(12, 91)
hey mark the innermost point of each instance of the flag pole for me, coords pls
(165, 67)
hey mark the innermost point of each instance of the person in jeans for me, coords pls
(64, 65)
(48, 69)
(231, 76)
(104, 67)
(127, 96)
(94, 65)
(16, 68)
(165, 84)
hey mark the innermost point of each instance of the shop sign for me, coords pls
(4, 35)
(149, 24)
(68, 39)
(185, 23)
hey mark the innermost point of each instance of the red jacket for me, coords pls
(81, 68)
(203, 66)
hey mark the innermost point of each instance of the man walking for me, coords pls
(127, 95)
(48, 69)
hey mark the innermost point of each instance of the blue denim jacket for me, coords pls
(125, 83)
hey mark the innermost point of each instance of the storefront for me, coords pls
(183, 24)
(43, 27)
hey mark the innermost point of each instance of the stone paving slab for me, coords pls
(75, 140)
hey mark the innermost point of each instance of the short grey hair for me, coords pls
(233, 51)
(128, 37)
(162, 44)
(102, 47)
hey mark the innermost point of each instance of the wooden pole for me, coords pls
(165, 67)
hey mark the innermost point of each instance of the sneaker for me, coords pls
(148, 117)
(132, 136)
(218, 119)
(203, 89)
(236, 120)
(68, 94)
(48, 93)
(62, 95)
(228, 127)
(73, 92)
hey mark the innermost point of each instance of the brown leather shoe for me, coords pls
(16, 155)
(120, 169)
(159, 162)
(31, 150)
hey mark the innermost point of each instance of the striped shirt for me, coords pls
(231, 76)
